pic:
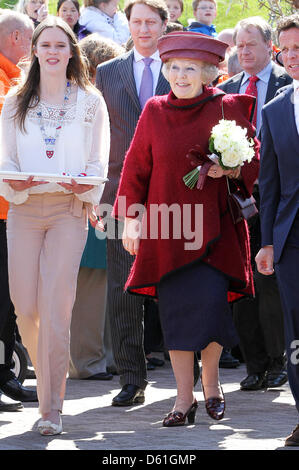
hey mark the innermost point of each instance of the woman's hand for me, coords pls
(216, 171)
(77, 188)
(235, 174)
(20, 185)
(131, 235)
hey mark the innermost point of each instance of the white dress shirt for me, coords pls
(138, 66)
(296, 102)
(262, 85)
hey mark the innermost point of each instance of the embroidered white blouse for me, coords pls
(82, 146)
(96, 21)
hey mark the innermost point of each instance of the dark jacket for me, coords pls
(279, 175)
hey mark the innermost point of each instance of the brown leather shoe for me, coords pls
(177, 418)
(215, 406)
(293, 439)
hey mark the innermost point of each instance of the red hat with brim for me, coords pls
(190, 45)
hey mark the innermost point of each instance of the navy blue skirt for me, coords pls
(194, 310)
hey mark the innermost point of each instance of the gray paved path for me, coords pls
(254, 420)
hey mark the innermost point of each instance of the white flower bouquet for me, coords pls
(229, 147)
(230, 143)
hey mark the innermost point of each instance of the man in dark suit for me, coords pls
(279, 190)
(259, 321)
(122, 82)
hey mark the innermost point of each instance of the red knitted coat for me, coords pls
(153, 174)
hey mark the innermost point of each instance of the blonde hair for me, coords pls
(208, 72)
(97, 49)
(21, 6)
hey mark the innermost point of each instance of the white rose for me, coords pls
(221, 143)
(230, 159)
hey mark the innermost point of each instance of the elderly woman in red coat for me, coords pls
(189, 253)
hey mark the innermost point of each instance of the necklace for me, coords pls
(49, 140)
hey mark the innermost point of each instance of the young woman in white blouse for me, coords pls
(56, 122)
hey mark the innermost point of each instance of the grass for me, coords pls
(229, 11)
(7, 3)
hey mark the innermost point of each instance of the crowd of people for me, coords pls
(91, 278)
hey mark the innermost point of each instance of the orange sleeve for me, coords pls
(3, 208)
(4, 87)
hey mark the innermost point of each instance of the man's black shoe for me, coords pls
(276, 379)
(112, 370)
(15, 390)
(129, 395)
(253, 382)
(17, 406)
(155, 361)
(227, 360)
(150, 366)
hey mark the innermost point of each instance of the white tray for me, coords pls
(52, 178)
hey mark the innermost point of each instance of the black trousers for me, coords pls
(153, 336)
(259, 321)
(260, 327)
(125, 313)
(7, 315)
(287, 274)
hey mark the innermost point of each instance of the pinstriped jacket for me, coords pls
(115, 79)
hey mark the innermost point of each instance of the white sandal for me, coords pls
(47, 428)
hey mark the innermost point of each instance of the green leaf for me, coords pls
(211, 145)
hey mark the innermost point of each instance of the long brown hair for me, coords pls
(28, 93)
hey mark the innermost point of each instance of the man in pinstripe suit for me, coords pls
(119, 80)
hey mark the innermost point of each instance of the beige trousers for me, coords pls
(46, 237)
